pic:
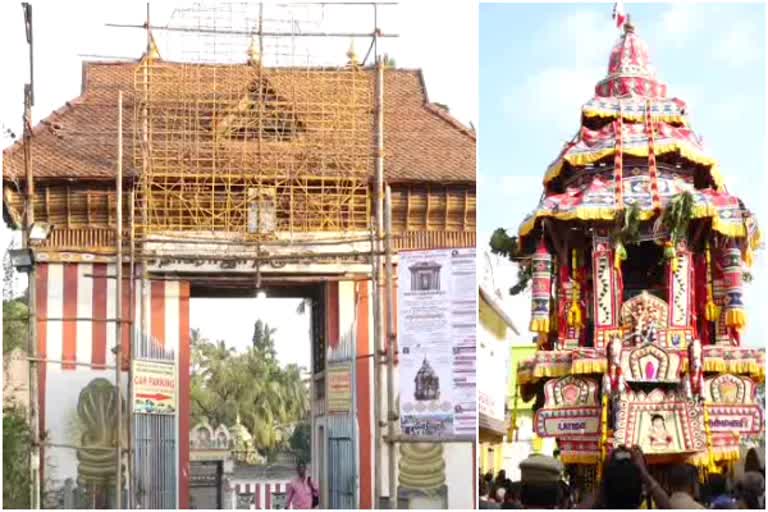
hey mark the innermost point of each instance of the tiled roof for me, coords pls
(423, 142)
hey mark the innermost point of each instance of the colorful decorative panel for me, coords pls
(606, 292)
(660, 422)
(731, 405)
(570, 391)
(650, 363)
(679, 292)
(570, 408)
(729, 390)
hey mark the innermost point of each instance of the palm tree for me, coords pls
(269, 398)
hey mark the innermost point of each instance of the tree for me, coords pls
(301, 441)
(268, 398)
(17, 444)
(262, 339)
(15, 313)
(508, 246)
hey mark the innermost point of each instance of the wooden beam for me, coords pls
(466, 207)
(69, 207)
(407, 207)
(48, 203)
(446, 197)
(426, 210)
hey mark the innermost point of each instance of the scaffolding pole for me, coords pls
(132, 337)
(35, 465)
(392, 415)
(376, 253)
(119, 301)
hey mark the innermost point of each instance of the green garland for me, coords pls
(628, 225)
(677, 216)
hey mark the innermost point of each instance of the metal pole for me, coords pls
(132, 336)
(377, 388)
(249, 33)
(376, 281)
(35, 465)
(379, 205)
(392, 414)
(119, 299)
(355, 411)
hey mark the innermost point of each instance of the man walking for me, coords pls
(301, 493)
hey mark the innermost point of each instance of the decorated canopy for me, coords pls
(635, 145)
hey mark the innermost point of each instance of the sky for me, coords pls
(539, 63)
(67, 33)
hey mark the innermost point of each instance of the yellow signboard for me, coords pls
(339, 393)
(154, 387)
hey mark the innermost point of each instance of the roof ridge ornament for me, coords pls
(352, 55)
(153, 52)
(253, 52)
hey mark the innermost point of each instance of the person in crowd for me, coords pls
(485, 501)
(626, 481)
(718, 493)
(501, 491)
(684, 486)
(540, 482)
(750, 491)
(501, 479)
(301, 492)
(752, 462)
(512, 496)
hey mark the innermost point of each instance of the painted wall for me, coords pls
(493, 358)
(260, 492)
(76, 308)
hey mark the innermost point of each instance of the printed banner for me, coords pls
(154, 387)
(437, 317)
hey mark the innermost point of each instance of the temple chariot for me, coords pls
(636, 254)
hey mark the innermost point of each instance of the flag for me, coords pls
(619, 14)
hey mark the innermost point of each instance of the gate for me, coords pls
(155, 456)
(342, 459)
(341, 474)
(205, 485)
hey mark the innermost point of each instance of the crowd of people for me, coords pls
(626, 484)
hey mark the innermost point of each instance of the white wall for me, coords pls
(460, 475)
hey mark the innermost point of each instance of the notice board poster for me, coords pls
(437, 320)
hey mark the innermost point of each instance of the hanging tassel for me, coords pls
(652, 170)
(562, 301)
(541, 283)
(749, 256)
(670, 255)
(603, 436)
(711, 466)
(711, 310)
(574, 313)
(735, 316)
(619, 255)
